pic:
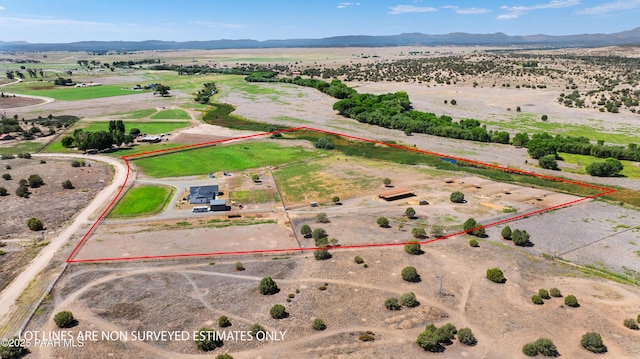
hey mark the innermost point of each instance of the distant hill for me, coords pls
(412, 39)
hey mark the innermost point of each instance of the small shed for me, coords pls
(397, 194)
(218, 205)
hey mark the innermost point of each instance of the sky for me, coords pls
(61, 21)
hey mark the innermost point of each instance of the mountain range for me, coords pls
(631, 37)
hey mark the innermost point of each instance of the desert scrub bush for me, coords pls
(410, 212)
(542, 346)
(6, 176)
(322, 218)
(529, 349)
(571, 301)
(13, 349)
(256, 328)
(305, 230)
(409, 300)
(278, 311)
(465, 336)
(318, 324)
(592, 341)
(555, 292)
(64, 319)
(35, 224)
(268, 287)
(358, 260)
(382, 222)
(457, 197)
(67, 184)
(206, 340)
(495, 275)
(410, 274)
(367, 337)
(543, 293)
(321, 254)
(224, 322)
(537, 299)
(506, 233)
(474, 242)
(318, 233)
(392, 303)
(413, 248)
(224, 356)
(4, 191)
(238, 266)
(446, 333)
(419, 232)
(631, 323)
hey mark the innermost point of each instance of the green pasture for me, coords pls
(142, 201)
(70, 93)
(631, 169)
(174, 114)
(138, 114)
(21, 147)
(256, 196)
(236, 157)
(150, 127)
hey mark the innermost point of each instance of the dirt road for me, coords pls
(13, 291)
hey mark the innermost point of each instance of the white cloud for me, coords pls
(403, 9)
(50, 21)
(467, 11)
(343, 5)
(513, 12)
(611, 7)
(219, 25)
(1, 8)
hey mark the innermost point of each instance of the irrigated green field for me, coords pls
(144, 127)
(142, 201)
(71, 93)
(236, 157)
(631, 169)
(175, 114)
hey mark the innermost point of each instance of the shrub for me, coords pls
(472, 227)
(335, 199)
(318, 324)
(446, 333)
(392, 304)
(383, 222)
(321, 254)
(465, 336)
(67, 141)
(413, 248)
(409, 300)
(457, 197)
(35, 224)
(67, 184)
(3, 191)
(428, 341)
(23, 191)
(322, 218)
(631, 324)
(6, 176)
(207, 340)
(495, 275)
(537, 299)
(324, 143)
(419, 232)
(268, 287)
(256, 328)
(7, 166)
(548, 162)
(610, 167)
(318, 233)
(35, 181)
(14, 351)
(474, 242)
(255, 178)
(77, 163)
(5, 156)
(367, 337)
(305, 230)
(520, 238)
(238, 266)
(64, 319)
(386, 181)
(592, 341)
(544, 117)
(224, 322)
(555, 292)
(571, 301)
(437, 230)
(410, 212)
(278, 311)
(410, 274)
(224, 356)
(543, 294)
(506, 233)
(24, 155)
(546, 347)
(530, 349)
(358, 260)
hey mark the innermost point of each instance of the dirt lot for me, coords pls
(18, 101)
(51, 203)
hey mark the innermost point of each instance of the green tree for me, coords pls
(392, 303)
(446, 333)
(520, 238)
(305, 230)
(278, 311)
(67, 141)
(3, 192)
(609, 168)
(35, 224)
(537, 299)
(409, 300)
(530, 349)
(546, 347)
(506, 233)
(64, 319)
(318, 233)
(555, 292)
(161, 90)
(224, 322)
(322, 218)
(544, 117)
(410, 274)
(324, 143)
(335, 199)
(543, 293)
(268, 286)
(383, 222)
(413, 248)
(571, 301)
(548, 162)
(457, 197)
(465, 336)
(35, 181)
(428, 340)
(410, 212)
(23, 191)
(207, 339)
(13, 351)
(134, 131)
(474, 228)
(321, 254)
(495, 275)
(474, 242)
(592, 341)
(419, 232)
(386, 182)
(318, 324)
(6, 176)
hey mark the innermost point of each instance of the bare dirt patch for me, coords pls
(7, 102)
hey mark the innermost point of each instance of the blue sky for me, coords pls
(181, 20)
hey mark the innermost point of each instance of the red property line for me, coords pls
(603, 191)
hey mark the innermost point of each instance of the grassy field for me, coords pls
(136, 115)
(631, 169)
(257, 196)
(144, 127)
(21, 147)
(71, 93)
(175, 114)
(142, 201)
(220, 114)
(236, 157)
